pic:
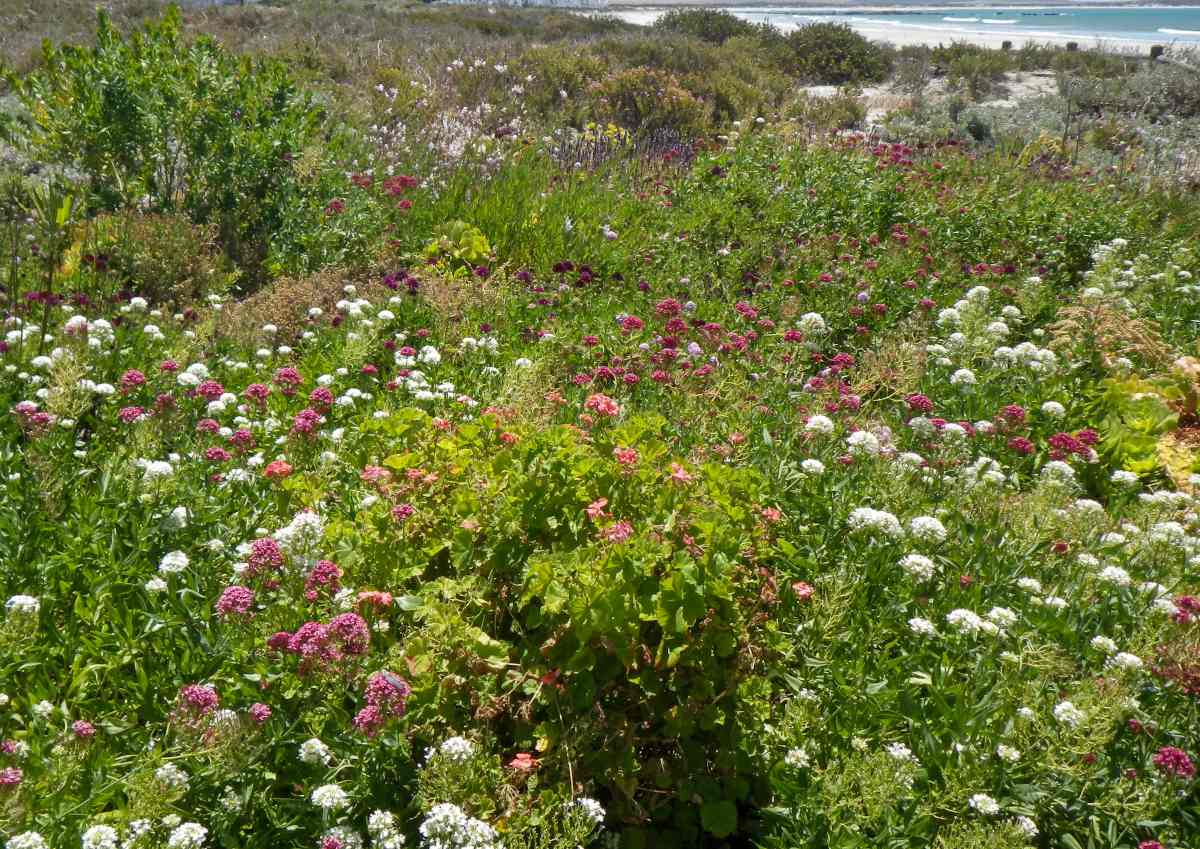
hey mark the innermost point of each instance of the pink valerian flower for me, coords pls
(210, 390)
(1175, 762)
(321, 398)
(130, 415)
(388, 693)
(306, 422)
(288, 379)
(265, 556)
(259, 712)
(771, 515)
(322, 647)
(402, 511)
(217, 455)
(1150, 844)
(617, 532)
(326, 576)
(603, 405)
(1188, 608)
(352, 631)
(83, 730)
(10, 776)
(235, 601)
(131, 380)
(257, 393)
(194, 704)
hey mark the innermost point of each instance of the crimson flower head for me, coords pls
(1175, 762)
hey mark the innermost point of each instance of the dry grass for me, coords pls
(1111, 332)
(285, 303)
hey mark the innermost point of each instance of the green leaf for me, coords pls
(719, 818)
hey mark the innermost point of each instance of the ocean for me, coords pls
(1161, 24)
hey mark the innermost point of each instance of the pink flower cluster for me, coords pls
(387, 697)
(322, 647)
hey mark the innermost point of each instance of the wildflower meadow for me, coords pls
(480, 482)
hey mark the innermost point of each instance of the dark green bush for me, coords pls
(155, 120)
(834, 54)
(715, 26)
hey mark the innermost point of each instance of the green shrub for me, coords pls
(153, 119)
(842, 111)
(162, 257)
(715, 26)
(834, 54)
(560, 77)
(977, 73)
(650, 100)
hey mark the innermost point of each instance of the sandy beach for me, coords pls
(902, 34)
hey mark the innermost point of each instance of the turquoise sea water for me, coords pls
(1178, 24)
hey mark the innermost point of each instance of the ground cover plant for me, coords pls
(589, 470)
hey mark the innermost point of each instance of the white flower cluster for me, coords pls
(188, 835)
(447, 826)
(384, 830)
(330, 797)
(22, 605)
(867, 520)
(313, 751)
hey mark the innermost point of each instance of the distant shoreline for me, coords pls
(902, 33)
(893, 8)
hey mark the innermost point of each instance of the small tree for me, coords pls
(167, 124)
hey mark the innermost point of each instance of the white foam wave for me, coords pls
(1179, 31)
(963, 20)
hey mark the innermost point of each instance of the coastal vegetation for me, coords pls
(464, 428)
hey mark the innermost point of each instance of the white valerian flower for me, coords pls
(1054, 410)
(796, 758)
(448, 825)
(812, 467)
(1027, 826)
(23, 605)
(26, 840)
(1103, 644)
(590, 808)
(869, 520)
(155, 585)
(99, 837)
(922, 627)
(919, 566)
(188, 835)
(1007, 753)
(1068, 714)
(171, 777)
(457, 749)
(927, 529)
(819, 424)
(330, 797)
(43, 709)
(984, 804)
(1125, 661)
(313, 751)
(173, 562)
